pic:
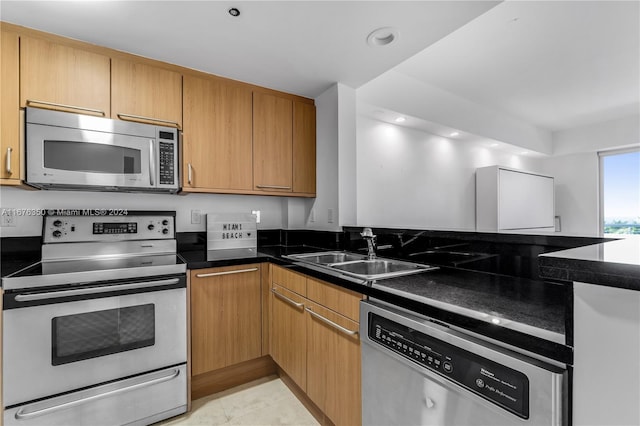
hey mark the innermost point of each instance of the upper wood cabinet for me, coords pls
(61, 77)
(217, 145)
(272, 143)
(10, 146)
(284, 145)
(304, 148)
(145, 93)
(226, 317)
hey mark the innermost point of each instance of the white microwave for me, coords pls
(73, 151)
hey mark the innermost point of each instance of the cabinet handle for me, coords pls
(136, 118)
(331, 323)
(272, 187)
(152, 163)
(77, 108)
(189, 173)
(9, 150)
(217, 274)
(286, 299)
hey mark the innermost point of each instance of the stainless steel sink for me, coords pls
(326, 258)
(359, 266)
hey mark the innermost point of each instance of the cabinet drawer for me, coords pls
(341, 300)
(289, 280)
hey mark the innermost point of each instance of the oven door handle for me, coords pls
(93, 290)
(24, 413)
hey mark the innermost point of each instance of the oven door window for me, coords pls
(94, 334)
(91, 157)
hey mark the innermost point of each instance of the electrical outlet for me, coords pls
(8, 218)
(257, 213)
(196, 217)
(330, 215)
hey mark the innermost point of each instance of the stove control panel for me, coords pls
(82, 226)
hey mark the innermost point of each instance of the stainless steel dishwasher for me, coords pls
(419, 372)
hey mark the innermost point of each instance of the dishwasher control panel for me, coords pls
(497, 383)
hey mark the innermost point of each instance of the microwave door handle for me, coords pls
(152, 163)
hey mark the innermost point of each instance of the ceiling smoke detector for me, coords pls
(382, 37)
(234, 11)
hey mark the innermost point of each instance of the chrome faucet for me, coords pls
(367, 234)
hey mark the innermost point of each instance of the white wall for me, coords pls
(575, 166)
(411, 179)
(314, 213)
(347, 164)
(607, 327)
(576, 192)
(613, 134)
(407, 95)
(271, 208)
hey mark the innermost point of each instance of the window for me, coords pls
(620, 192)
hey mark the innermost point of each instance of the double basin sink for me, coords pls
(359, 265)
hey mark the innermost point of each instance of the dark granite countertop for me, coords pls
(525, 313)
(613, 263)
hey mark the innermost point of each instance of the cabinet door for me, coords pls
(333, 365)
(9, 110)
(225, 317)
(64, 78)
(289, 334)
(217, 142)
(304, 148)
(272, 143)
(145, 93)
(525, 200)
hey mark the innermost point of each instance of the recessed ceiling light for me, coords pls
(234, 12)
(400, 120)
(454, 134)
(382, 37)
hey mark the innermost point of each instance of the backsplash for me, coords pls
(506, 254)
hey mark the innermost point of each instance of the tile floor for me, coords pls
(265, 401)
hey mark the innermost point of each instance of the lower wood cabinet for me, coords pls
(316, 342)
(333, 364)
(226, 317)
(289, 334)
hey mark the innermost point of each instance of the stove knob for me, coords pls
(150, 227)
(165, 222)
(57, 234)
(165, 231)
(57, 223)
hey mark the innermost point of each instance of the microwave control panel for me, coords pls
(88, 227)
(167, 162)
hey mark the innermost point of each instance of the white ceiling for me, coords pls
(300, 47)
(554, 64)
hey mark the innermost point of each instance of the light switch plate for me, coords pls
(7, 218)
(196, 217)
